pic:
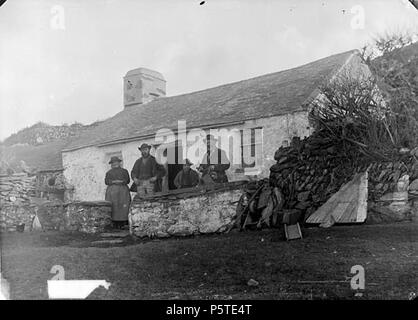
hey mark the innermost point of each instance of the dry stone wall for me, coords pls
(17, 189)
(24, 196)
(88, 217)
(185, 214)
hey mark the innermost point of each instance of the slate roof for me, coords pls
(261, 97)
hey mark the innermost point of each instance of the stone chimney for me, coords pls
(141, 86)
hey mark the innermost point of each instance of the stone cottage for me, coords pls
(270, 109)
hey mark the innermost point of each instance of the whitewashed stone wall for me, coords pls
(85, 168)
(184, 215)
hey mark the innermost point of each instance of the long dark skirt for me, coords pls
(120, 197)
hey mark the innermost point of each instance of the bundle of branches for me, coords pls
(393, 60)
(351, 111)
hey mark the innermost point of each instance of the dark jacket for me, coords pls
(117, 174)
(219, 160)
(186, 179)
(144, 169)
(161, 172)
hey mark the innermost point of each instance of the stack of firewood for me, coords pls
(310, 171)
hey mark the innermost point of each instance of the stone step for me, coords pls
(109, 241)
(117, 234)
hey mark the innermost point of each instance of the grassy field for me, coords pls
(219, 266)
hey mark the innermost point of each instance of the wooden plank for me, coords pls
(292, 231)
(340, 210)
(348, 205)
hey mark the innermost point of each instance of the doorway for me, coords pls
(174, 163)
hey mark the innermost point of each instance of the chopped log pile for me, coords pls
(310, 171)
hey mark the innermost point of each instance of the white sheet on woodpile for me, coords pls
(348, 205)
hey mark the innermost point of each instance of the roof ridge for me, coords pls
(257, 77)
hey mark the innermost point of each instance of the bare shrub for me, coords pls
(378, 114)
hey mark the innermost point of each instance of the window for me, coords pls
(251, 147)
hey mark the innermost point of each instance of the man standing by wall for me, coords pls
(144, 173)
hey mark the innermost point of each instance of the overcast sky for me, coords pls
(63, 61)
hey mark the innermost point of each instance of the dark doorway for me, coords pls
(175, 164)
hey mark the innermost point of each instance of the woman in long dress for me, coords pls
(117, 192)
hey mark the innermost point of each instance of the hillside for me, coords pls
(28, 158)
(43, 133)
(37, 147)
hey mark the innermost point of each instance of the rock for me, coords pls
(394, 196)
(332, 149)
(402, 184)
(379, 186)
(252, 283)
(303, 196)
(380, 213)
(182, 229)
(400, 209)
(404, 150)
(303, 205)
(396, 175)
(162, 234)
(414, 152)
(108, 241)
(119, 234)
(414, 185)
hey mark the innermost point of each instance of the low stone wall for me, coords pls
(12, 216)
(186, 212)
(21, 199)
(89, 217)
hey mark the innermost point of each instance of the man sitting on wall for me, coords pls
(145, 171)
(214, 163)
(187, 177)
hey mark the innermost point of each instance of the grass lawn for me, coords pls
(219, 266)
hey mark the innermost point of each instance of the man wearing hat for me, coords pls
(145, 171)
(187, 177)
(214, 163)
(117, 192)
